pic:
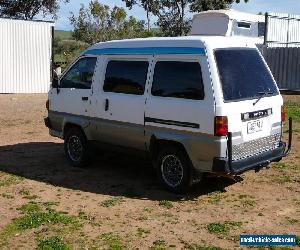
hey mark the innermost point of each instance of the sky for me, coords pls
(253, 6)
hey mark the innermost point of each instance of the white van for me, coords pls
(193, 104)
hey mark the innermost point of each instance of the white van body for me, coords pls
(184, 120)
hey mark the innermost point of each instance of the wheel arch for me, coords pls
(157, 143)
(69, 125)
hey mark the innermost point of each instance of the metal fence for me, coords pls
(285, 66)
(282, 49)
(282, 30)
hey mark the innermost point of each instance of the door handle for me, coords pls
(85, 98)
(106, 104)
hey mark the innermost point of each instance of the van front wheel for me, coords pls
(174, 169)
(76, 147)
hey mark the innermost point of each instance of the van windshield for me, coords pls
(243, 74)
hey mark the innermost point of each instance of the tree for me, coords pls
(172, 14)
(25, 9)
(67, 50)
(204, 5)
(148, 5)
(98, 23)
(172, 17)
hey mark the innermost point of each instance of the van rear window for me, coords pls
(243, 74)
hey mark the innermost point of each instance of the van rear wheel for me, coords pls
(174, 169)
(76, 147)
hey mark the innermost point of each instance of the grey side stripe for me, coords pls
(170, 122)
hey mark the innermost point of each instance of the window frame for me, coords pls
(175, 58)
(67, 70)
(126, 58)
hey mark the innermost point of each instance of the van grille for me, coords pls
(255, 147)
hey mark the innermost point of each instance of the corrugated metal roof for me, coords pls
(25, 56)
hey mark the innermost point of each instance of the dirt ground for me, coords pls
(117, 202)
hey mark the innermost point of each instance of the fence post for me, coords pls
(266, 28)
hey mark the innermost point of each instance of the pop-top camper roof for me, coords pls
(220, 22)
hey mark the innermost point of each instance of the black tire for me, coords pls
(174, 177)
(76, 148)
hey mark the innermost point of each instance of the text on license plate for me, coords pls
(255, 126)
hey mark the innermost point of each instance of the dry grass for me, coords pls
(117, 203)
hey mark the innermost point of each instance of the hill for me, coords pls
(62, 34)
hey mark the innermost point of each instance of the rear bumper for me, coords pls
(228, 166)
(221, 165)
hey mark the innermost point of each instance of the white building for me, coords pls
(25, 56)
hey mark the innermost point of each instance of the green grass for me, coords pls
(34, 218)
(224, 227)
(37, 219)
(282, 179)
(7, 195)
(24, 192)
(148, 209)
(279, 165)
(166, 204)
(159, 245)
(293, 110)
(49, 204)
(7, 180)
(298, 240)
(85, 216)
(53, 243)
(112, 241)
(292, 221)
(30, 208)
(247, 200)
(112, 202)
(214, 198)
(142, 232)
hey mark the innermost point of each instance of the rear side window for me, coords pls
(80, 76)
(178, 79)
(127, 77)
(244, 25)
(243, 74)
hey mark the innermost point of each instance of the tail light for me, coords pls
(221, 125)
(47, 105)
(282, 114)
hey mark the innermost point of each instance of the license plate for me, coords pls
(255, 126)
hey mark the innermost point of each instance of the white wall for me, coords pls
(25, 56)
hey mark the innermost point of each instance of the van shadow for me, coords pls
(110, 173)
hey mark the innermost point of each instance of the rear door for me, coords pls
(251, 99)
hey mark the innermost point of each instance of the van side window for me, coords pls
(127, 77)
(244, 25)
(178, 79)
(80, 76)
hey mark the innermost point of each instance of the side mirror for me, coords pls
(55, 83)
